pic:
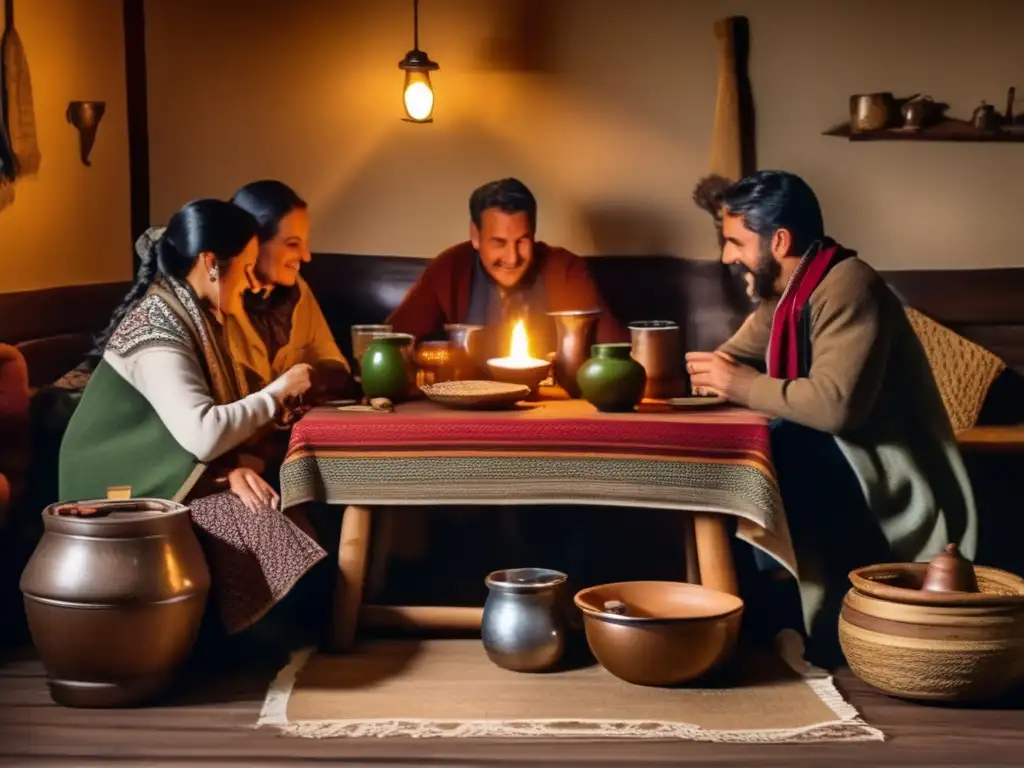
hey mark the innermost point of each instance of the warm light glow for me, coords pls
(418, 96)
(520, 349)
(519, 353)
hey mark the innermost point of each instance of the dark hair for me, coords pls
(201, 226)
(507, 195)
(772, 200)
(268, 201)
(708, 195)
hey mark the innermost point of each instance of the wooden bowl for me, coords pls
(966, 652)
(530, 376)
(671, 632)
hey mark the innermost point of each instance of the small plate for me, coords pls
(697, 401)
(475, 393)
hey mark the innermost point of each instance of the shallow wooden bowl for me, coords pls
(966, 652)
(672, 632)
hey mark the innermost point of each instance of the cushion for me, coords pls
(963, 370)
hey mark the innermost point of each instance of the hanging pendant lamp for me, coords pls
(417, 93)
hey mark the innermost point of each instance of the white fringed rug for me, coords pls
(449, 689)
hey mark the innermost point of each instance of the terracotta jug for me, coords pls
(114, 599)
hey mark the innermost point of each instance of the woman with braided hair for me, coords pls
(167, 413)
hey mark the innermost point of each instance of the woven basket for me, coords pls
(934, 652)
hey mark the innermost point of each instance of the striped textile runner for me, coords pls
(551, 452)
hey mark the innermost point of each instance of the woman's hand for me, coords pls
(294, 383)
(252, 489)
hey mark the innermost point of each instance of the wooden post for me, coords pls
(726, 138)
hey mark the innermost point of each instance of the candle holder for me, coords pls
(529, 372)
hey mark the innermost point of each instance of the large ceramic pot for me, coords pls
(611, 380)
(114, 600)
(387, 367)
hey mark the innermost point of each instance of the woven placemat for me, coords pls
(449, 689)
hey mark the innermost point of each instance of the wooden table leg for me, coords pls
(380, 551)
(690, 551)
(353, 554)
(714, 553)
(422, 618)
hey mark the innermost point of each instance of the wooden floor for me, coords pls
(211, 724)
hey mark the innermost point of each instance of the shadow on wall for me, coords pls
(397, 185)
(524, 38)
(702, 297)
(630, 229)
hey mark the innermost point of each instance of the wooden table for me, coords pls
(708, 464)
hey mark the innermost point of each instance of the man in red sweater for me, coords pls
(502, 275)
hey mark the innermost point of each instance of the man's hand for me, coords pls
(719, 373)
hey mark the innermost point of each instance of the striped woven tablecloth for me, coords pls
(551, 452)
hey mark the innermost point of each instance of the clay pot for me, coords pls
(950, 571)
(114, 600)
(386, 368)
(611, 380)
(660, 632)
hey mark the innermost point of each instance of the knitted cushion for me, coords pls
(963, 370)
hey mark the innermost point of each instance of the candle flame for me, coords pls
(520, 350)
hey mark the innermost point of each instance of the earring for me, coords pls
(213, 274)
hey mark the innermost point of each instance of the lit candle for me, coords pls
(519, 351)
(519, 367)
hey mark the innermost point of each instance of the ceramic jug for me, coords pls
(611, 380)
(387, 367)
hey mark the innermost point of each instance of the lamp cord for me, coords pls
(416, 24)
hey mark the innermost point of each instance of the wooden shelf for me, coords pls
(947, 130)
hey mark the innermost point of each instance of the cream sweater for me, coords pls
(173, 383)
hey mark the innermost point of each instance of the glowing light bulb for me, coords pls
(418, 96)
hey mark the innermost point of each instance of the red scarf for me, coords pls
(784, 344)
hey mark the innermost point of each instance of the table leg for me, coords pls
(690, 551)
(714, 553)
(422, 618)
(380, 551)
(353, 554)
